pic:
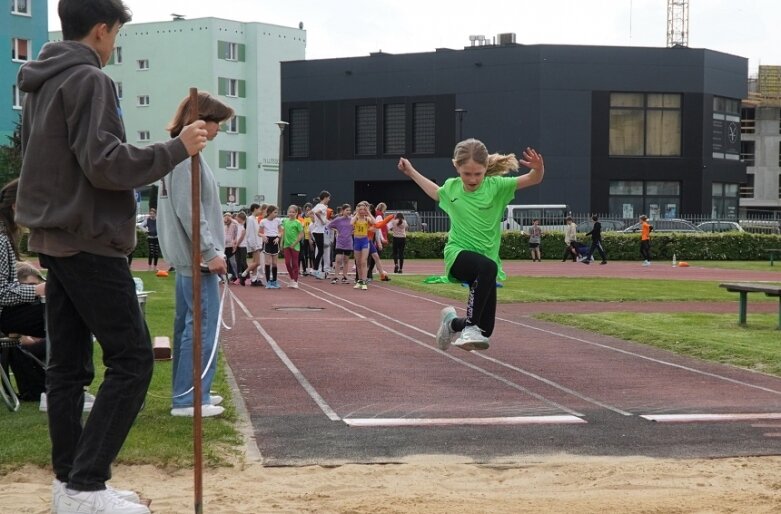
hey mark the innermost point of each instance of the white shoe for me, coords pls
(293, 285)
(89, 401)
(215, 399)
(445, 333)
(472, 338)
(106, 501)
(207, 411)
(646, 263)
(125, 494)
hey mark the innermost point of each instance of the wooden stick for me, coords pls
(196, 264)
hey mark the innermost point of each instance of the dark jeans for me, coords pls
(241, 260)
(26, 362)
(231, 261)
(596, 245)
(398, 251)
(645, 249)
(571, 251)
(480, 273)
(89, 294)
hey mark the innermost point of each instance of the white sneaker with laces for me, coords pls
(445, 333)
(207, 411)
(106, 501)
(472, 338)
(58, 488)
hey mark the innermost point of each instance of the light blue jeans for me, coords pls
(183, 337)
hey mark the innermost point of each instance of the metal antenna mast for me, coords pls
(677, 23)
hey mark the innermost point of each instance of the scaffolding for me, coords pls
(677, 23)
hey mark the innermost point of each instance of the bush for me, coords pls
(736, 246)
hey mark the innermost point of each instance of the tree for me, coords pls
(11, 155)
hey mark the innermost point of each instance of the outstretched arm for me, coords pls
(428, 187)
(533, 160)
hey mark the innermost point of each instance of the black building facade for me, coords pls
(623, 130)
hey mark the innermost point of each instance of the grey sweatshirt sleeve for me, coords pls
(181, 187)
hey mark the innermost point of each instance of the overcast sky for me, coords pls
(345, 28)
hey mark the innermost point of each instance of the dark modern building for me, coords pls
(623, 130)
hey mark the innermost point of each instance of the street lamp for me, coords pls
(281, 125)
(461, 113)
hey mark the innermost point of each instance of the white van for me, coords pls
(520, 217)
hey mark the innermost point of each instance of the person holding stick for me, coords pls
(475, 202)
(76, 197)
(175, 213)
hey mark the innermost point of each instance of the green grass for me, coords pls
(600, 289)
(156, 438)
(713, 337)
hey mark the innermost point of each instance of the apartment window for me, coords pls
(236, 125)
(143, 64)
(116, 56)
(748, 120)
(18, 97)
(423, 134)
(143, 100)
(298, 133)
(143, 135)
(230, 51)
(366, 130)
(118, 86)
(232, 87)
(233, 160)
(657, 199)
(747, 189)
(747, 152)
(645, 124)
(394, 124)
(20, 7)
(20, 49)
(233, 196)
(724, 200)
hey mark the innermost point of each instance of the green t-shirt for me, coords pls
(475, 218)
(292, 228)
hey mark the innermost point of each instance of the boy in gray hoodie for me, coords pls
(76, 195)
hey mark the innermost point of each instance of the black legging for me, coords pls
(319, 248)
(480, 273)
(154, 250)
(645, 249)
(398, 251)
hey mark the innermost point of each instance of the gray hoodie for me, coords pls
(175, 214)
(78, 173)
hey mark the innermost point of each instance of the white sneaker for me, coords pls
(445, 333)
(293, 285)
(127, 495)
(207, 411)
(215, 399)
(94, 502)
(472, 338)
(89, 401)
(646, 263)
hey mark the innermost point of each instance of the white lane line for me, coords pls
(500, 363)
(343, 301)
(612, 348)
(693, 418)
(333, 416)
(413, 422)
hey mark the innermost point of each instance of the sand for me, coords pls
(437, 484)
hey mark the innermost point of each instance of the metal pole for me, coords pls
(281, 125)
(460, 113)
(196, 271)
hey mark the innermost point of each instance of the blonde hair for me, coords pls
(475, 150)
(209, 109)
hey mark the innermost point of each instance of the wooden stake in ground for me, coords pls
(196, 262)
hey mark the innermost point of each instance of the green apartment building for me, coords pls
(155, 64)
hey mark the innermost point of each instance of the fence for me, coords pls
(765, 222)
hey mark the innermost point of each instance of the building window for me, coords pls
(20, 7)
(143, 64)
(230, 51)
(118, 86)
(747, 189)
(233, 160)
(234, 88)
(645, 124)
(298, 133)
(747, 152)
(366, 130)
(423, 133)
(116, 56)
(748, 120)
(143, 135)
(394, 124)
(779, 153)
(20, 49)
(236, 125)
(233, 196)
(724, 200)
(143, 101)
(18, 97)
(657, 199)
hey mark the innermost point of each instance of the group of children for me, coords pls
(313, 241)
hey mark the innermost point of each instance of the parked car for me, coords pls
(666, 225)
(608, 225)
(140, 218)
(413, 220)
(720, 226)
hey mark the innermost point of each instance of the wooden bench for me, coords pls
(772, 253)
(743, 288)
